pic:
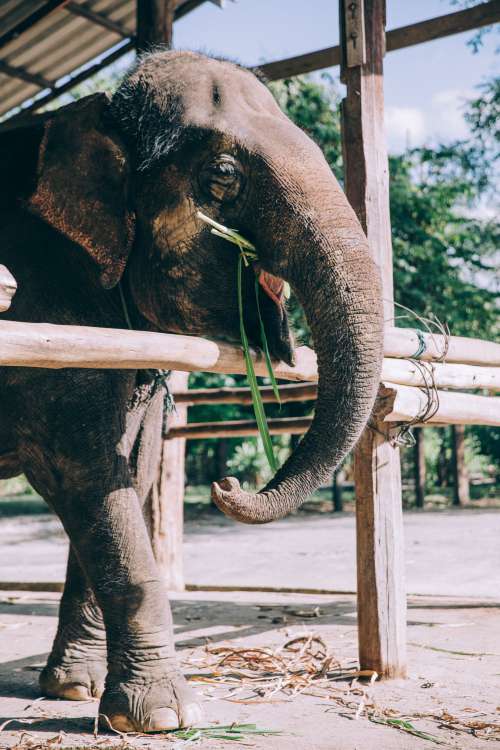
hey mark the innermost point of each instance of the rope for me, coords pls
(401, 433)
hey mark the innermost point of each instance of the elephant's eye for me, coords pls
(222, 178)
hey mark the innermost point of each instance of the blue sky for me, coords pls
(424, 86)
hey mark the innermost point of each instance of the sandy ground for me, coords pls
(453, 553)
(454, 664)
(454, 649)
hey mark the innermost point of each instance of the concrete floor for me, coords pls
(454, 663)
(451, 553)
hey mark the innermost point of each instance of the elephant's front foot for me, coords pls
(150, 699)
(77, 675)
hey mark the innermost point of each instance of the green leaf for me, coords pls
(265, 347)
(407, 726)
(258, 406)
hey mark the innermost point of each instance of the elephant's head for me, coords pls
(185, 133)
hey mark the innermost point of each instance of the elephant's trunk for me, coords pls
(328, 265)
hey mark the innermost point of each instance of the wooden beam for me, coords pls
(484, 14)
(55, 346)
(186, 6)
(16, 71)
(395, 404)
(155, 23)
(239, 428)
(455, 376)
(300, 64)
(30, 20)
(405, 404)
(105, 60)
(98, 18)
(480, 15)
(377, 472)
(243, 396)
(405, 342)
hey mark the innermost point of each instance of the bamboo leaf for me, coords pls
(258, 406)
(248, 253)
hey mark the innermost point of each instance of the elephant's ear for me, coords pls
(82, 184)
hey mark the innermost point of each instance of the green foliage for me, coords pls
(443, 253)
(249, 463)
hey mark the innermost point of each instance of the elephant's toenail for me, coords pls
(192, 714)
(162, 718)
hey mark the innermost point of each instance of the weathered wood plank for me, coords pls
(397, 403)
(167, 498)
(377, 473)
(404, 404)
(243, 396)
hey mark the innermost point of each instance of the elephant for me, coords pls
(99, 203)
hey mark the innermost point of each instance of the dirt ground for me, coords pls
(452, 696)
(448, 552)
(454, 675)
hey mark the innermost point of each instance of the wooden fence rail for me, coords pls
(401, 404)
(55, 346)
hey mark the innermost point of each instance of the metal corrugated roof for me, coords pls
(43, 41)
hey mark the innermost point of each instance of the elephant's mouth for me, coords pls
(272, 304)
(274, 287)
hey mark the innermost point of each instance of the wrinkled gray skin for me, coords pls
(99, 192)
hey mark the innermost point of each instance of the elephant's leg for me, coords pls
(144, 689)
(76, 667)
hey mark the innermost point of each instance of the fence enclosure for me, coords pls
(412, 388)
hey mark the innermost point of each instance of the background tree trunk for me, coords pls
(419, 468)
(461, 494)
(338, 502)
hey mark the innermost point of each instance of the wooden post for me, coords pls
(377, 473)
(165, 505)
(461, 494)
(419, 468)
(166, 502)
(155, 22)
